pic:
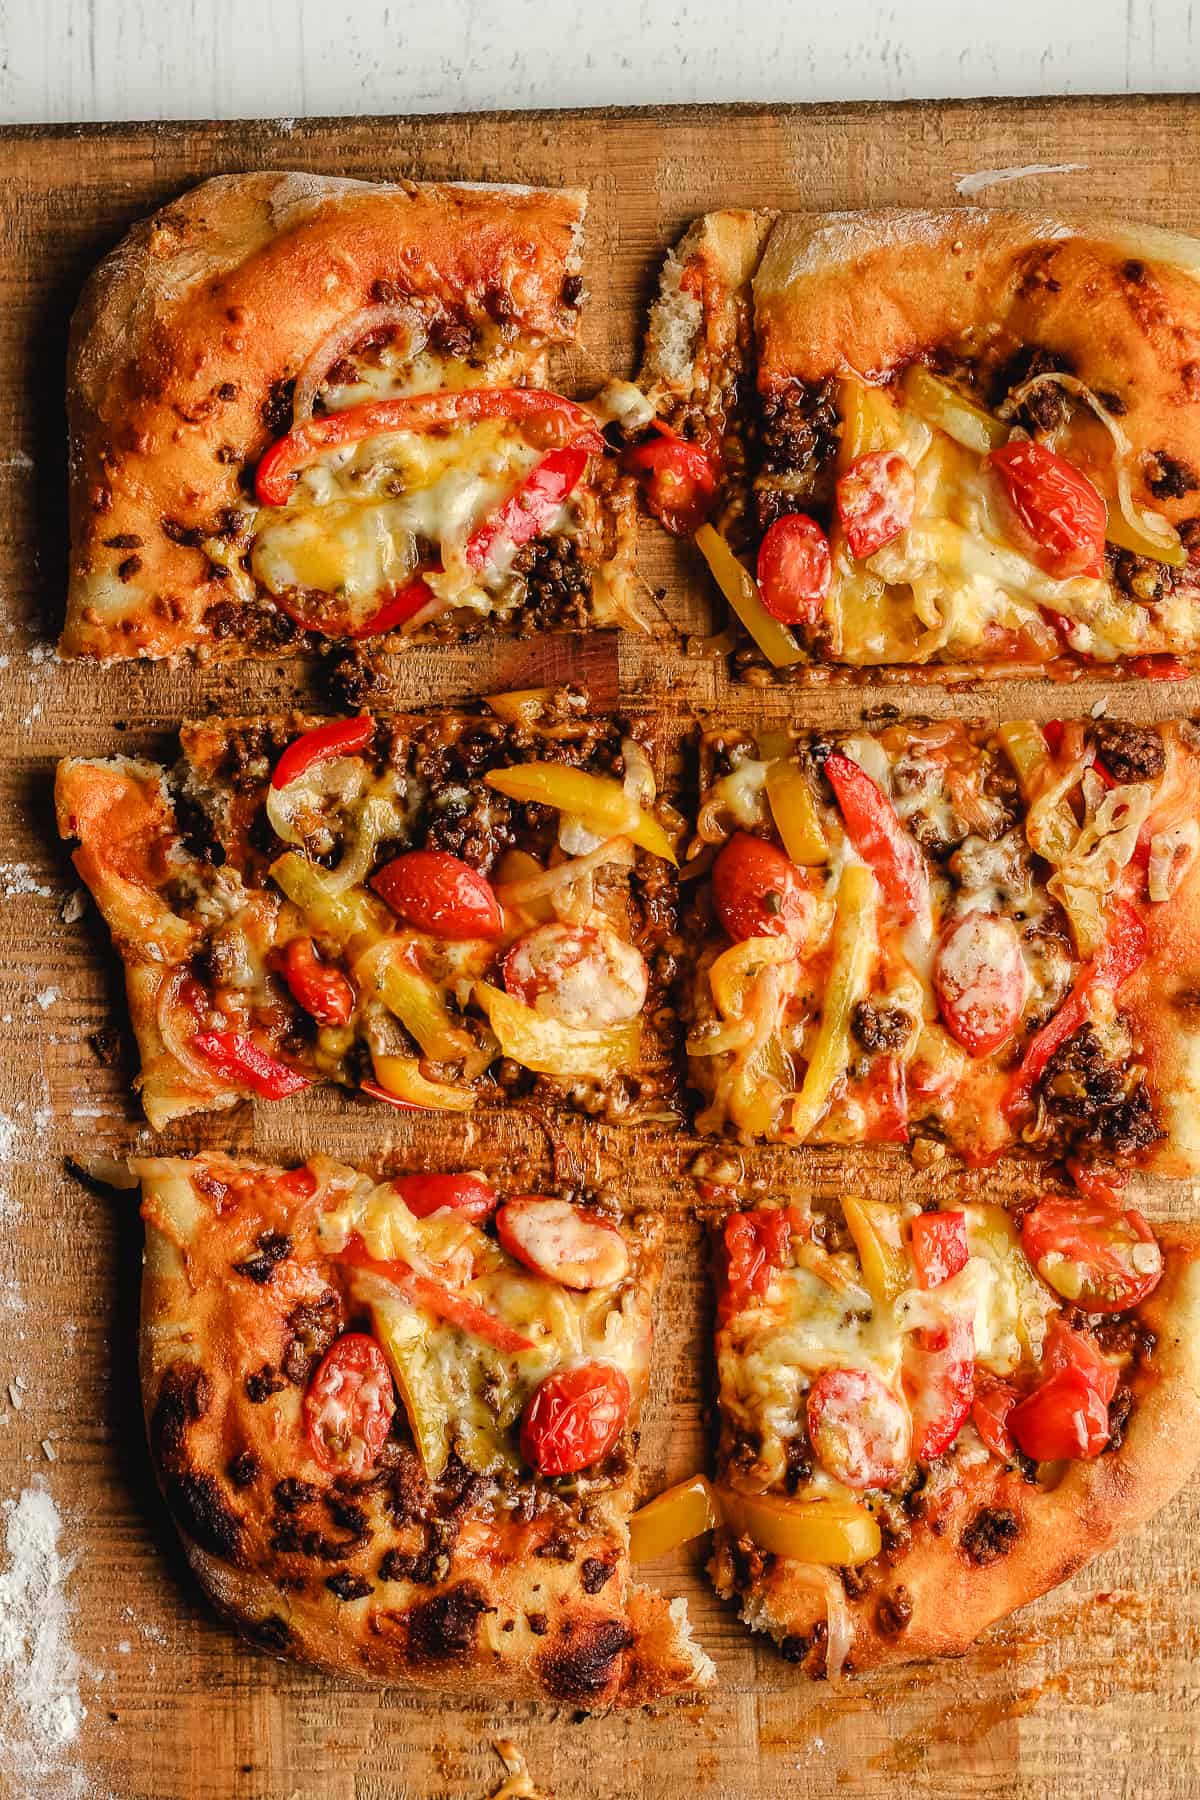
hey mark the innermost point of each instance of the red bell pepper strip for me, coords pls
(1160, 668)
(530, 508)
(401, 605)
(439, 1299)
(238, 1057)
(341, 737)
(888, 1092)
(378, 1092)
(877, 834)
(1054, 731)
(1122, 953)
(306, 443)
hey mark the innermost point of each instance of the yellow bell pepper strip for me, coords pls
(735, 971)
(875, 1228)
(838, 1533)
(419, 1006)
(795, 814)
(405, 1339)
(598, 800)
(521, 706)
(514, 867)
(849, 975)
(1030, 756)
(675, 1516)
(1126, 536)
(550, 1048)
(942, 405)
(741, 590)
(868, 421)
(341, 917)
(401, 1083)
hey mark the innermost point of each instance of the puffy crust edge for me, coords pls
(1097, 1503)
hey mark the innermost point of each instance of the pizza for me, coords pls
(968, 937)
(436, 911)
(394, 1422)
(966, 440)
(304, 408)
(929, 1417)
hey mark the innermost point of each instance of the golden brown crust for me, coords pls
(954, 1596)
(508, 1607)
(864, 293)
(184, 331)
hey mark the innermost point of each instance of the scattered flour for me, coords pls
(46, 997)
(18, 878)
(39, 1671)
(979, 179)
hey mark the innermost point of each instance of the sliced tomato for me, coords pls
(1101, 1257)
(1055, 506)
(436, 892)
(758, 892)
(574, 1418)
(466, 1194)
(939, 1377)
(994, 1400)
(873, 827)
(753, 1244)
(340, 737)
(980, 980)
(876, 500)
(795, 569)
(1063, 1418)
(679, 481)
(887, 1102)
(859, 1429)
(582, 977)
(565, 1243)
(323, 991)
(349, 1406)
(1067, 1349)
(939, 1246)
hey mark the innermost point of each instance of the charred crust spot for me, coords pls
(271, 1633)
(292, 1493)
(347, 1586)
(1120, 1410)
(795, 1648)
(556, 1548)
(538, 1623)
(573, 291)
(244, 1469)
(276, 409)
(990, 1535)
(1035, 275)
(183, 1399)
(582, 1661)
(894, 1611)
(1134, 272)
(594, 1571)
(273, 1246)
(347, 1516)
(124, 540)
(1168, 477)
(263, 1383)
(444, 1628)
(228, 390)
(196, 1502)
(128, 567)
(189, 536)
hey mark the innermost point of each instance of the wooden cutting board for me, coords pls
(1090, 1692)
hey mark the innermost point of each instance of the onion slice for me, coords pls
(342, 339)
(201, 1073)
(551, 881)
(839, 1626)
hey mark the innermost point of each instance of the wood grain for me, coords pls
(1091, 1691)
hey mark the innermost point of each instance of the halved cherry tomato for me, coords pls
(1055, 506)
(994, 1400)
(980, 980)
(563, 1242)
(757, 892)
(1097, 1180)
(1064, 1417)
(679, 481)
(794, 569)
(322, 990)
(876, 500)
(875, 831)
(939, 1246)
(754, 1243)
(1067, 1349)
(887, 1102)
(582, 977)
(1103, 1258)
(859, 1429)
(574, 1418)
(939, 1377)
(466, 1194)
(349, 1406)
(436, 892)
(340, 737)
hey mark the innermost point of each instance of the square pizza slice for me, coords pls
(929, 1417)
(436, 910)
(304, 407)
(966, 439)
(950, 935)
(394, 1421)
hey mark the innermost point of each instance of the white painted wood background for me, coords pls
(72, 60)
